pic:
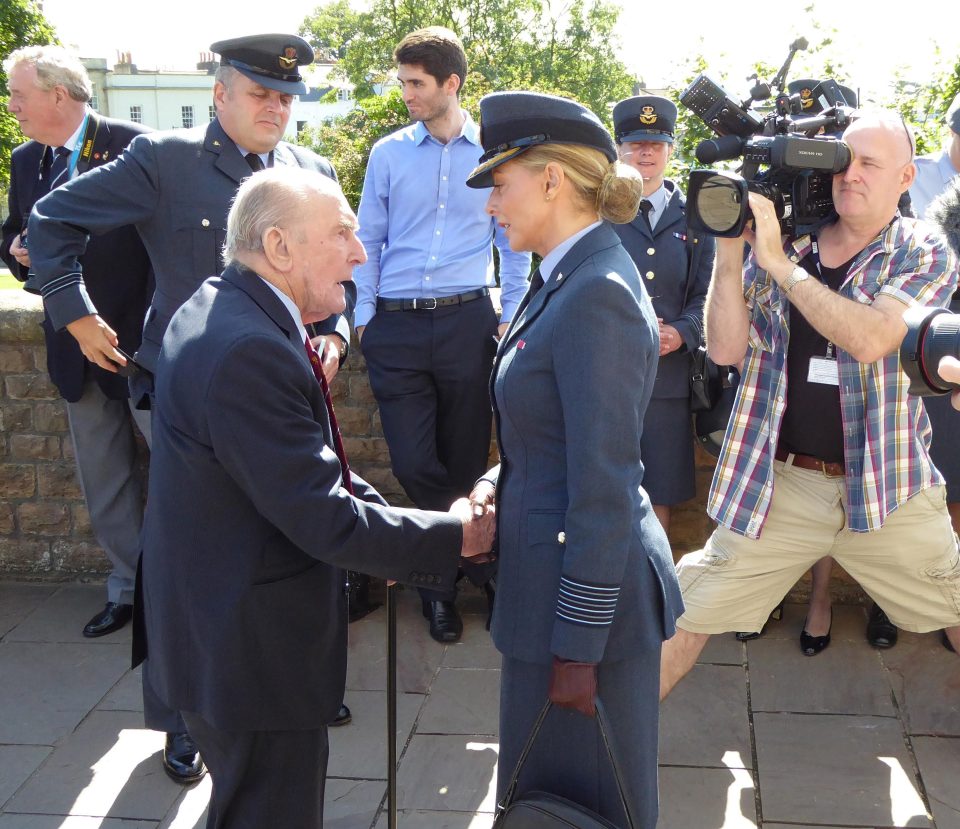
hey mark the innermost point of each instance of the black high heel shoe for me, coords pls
(775, 616)
(812, 645)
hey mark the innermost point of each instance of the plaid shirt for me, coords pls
(886, 433)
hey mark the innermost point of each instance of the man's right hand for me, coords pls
(20, 253)
(98, 341)
(478, 530)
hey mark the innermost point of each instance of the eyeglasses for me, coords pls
(906, 131)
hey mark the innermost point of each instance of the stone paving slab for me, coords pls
(126, 695)
(939, 761)
(190, 810)
(448, 773)
(926, 681)
(847, 677)
(17, 763)
(14, 821)
(420, 819)
(704, 721)
(62, 616)
(697, 798)
(462, 701)
(46, 689)
(17, 601)
(849, 624)
(846, 770)
(723, 649)
(109, 767)
(359, 750)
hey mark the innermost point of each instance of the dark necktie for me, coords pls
(56, 167)
(255, 162)
(645, 208)
(536, 283)
(334, 426)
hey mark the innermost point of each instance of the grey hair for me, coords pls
(275, 197)
(225, 74)
(55, 67)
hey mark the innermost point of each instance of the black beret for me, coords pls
(644, 118)
(270, 60)
(511, 122)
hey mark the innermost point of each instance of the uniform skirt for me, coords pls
(568, 757)
(666, 449)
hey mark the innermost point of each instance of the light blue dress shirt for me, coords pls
(658, 203)
(934, 173)
(425, 232)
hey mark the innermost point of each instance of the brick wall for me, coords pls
(44, 528)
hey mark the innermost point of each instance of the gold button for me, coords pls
(649, 274)
(651, 251)
(562, 537)
(205, 222)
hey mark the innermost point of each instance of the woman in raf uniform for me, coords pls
(586, 589)
(675, 264)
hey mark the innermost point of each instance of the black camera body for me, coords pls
(798, 165)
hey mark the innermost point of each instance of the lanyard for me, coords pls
(815, 254)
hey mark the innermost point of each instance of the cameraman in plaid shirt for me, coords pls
(825, 452)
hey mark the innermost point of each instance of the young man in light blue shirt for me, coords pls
(424, 314)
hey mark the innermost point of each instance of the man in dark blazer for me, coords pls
(675, 264)
(49, 96)
(175, 187)
(267, 509)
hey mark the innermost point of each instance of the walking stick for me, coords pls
(391, 706)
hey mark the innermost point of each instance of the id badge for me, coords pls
(823, 370)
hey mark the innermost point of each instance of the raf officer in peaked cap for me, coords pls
(176, 187)
(675, 264)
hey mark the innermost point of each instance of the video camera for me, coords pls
(799, 163)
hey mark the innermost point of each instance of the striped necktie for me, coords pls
(57, 166)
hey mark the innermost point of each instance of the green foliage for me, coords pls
(511, 44)
(924, 107)
(21, 24)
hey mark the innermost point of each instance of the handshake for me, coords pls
(478, 517)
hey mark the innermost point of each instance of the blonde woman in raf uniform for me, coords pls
(586, 588)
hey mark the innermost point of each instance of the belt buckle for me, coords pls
(418, 307)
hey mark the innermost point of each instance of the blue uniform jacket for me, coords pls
(585, 570)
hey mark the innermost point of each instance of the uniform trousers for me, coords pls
(430, 374)
(569, 758)
(263, 778)
(106, 454)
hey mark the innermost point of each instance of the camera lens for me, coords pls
(932, 334)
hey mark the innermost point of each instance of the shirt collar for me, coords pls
(289, 305)
(470, 131)
(264, 157)
(552, 259)
(74, 140)
(658, 199)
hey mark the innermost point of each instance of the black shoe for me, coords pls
(113, 617)
(343, 717)
(946, 642)
(181, 759)
(812, 645)
(445, 623)
(881, 632)
(775, 616)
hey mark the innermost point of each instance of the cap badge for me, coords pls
(648, 115)
(289, 57)
(806, 98)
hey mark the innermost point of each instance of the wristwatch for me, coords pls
(798, 275)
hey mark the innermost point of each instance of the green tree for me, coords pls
(924, 105)
(21, 24)
(510, 44)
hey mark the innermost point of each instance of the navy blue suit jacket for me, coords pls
(119, 278)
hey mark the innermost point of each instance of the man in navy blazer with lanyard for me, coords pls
(49, 96)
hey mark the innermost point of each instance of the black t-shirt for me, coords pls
(811, 423)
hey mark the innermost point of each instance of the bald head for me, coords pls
(886, 127)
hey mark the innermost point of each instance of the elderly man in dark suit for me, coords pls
(49, 93)
(267, 509)
(175, 187)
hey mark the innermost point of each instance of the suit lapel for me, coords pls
(228, 159)
(672, 214)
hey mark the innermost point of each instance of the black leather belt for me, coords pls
(831, 470)
(430, 303)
